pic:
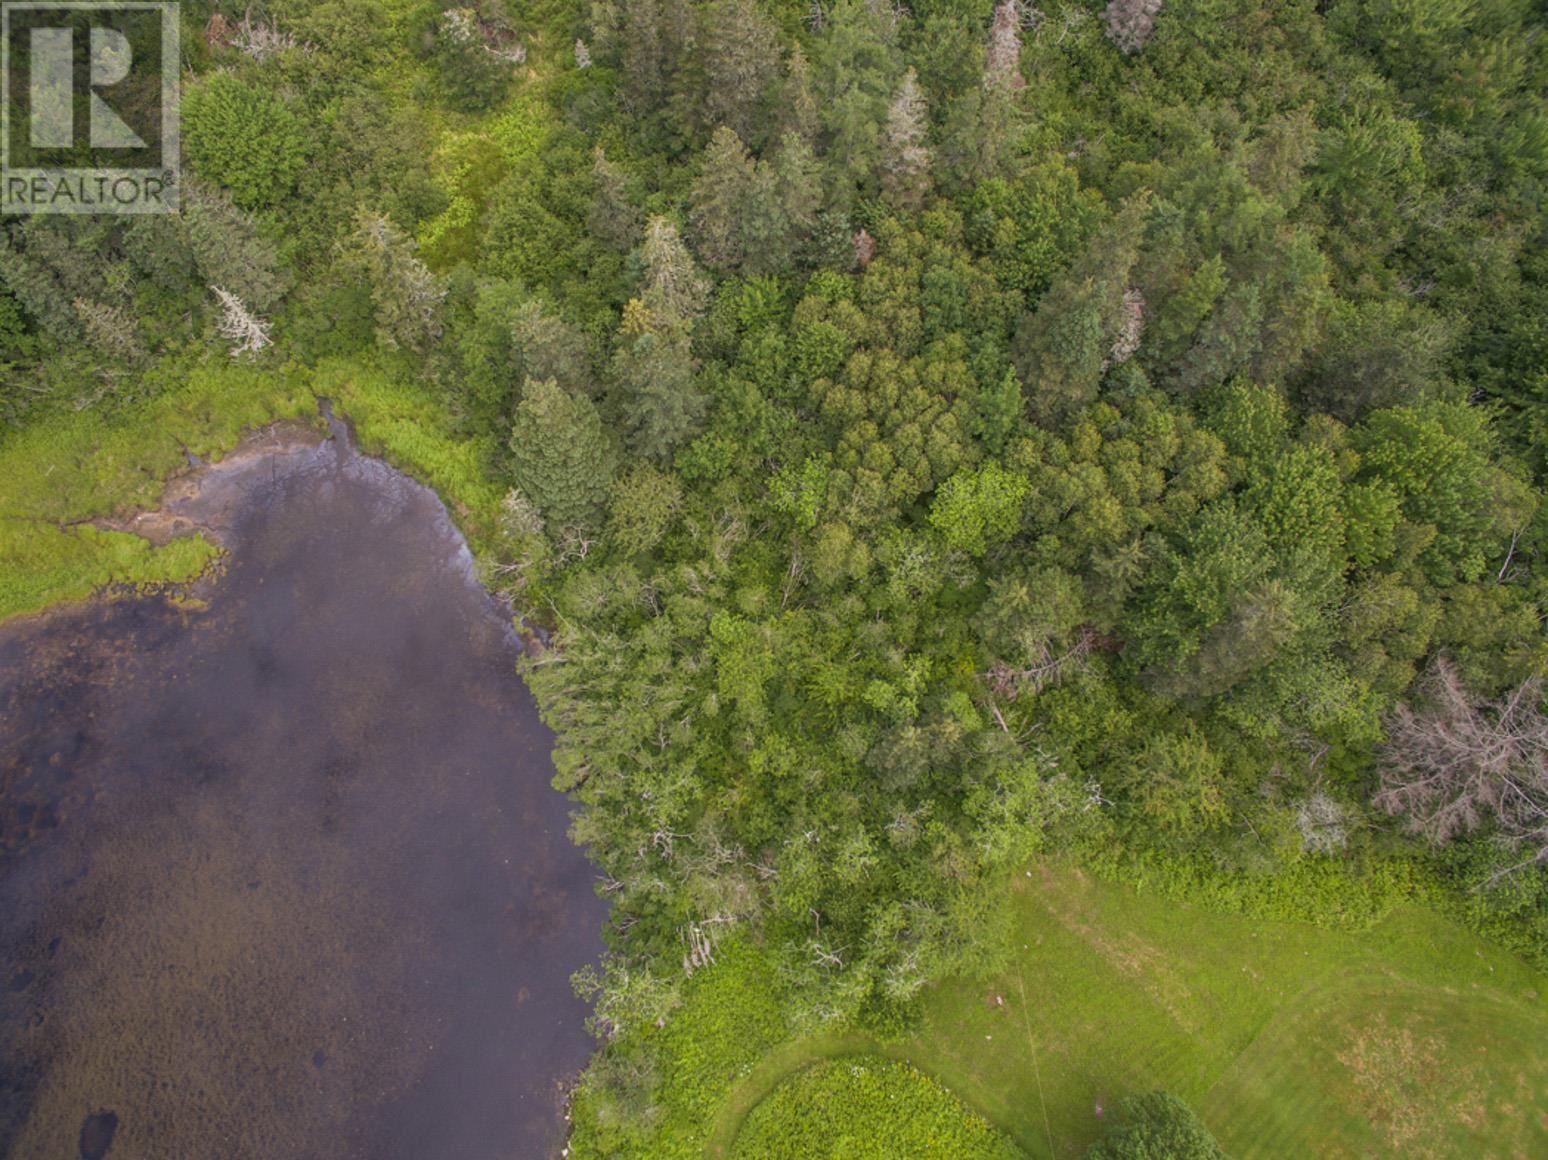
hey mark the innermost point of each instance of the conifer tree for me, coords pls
(979, 137)
(740, 56)
(157, 245)
(798, 186)
(229, 250)
(34, 286)
(763, 230)
(70, 248)
(674, 290)
(798, 101)
(110, 330)
(406, 295)
(614, 219)
(860, 67)
(544, 346)
(640, 54)
(1066, 344)
(560, 455)
(653, 378)
(719, 200)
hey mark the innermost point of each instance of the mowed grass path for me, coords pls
(1414, 1038)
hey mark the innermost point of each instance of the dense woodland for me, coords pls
(934, 434)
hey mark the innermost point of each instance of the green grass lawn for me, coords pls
(1413, 1038)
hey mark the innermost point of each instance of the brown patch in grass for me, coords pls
(1398, 1077)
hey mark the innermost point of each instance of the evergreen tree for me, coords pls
(642, 57)
(797, 186)
(407, 297)
(979, 139)
(560, 456)
(33, 285)
(110, 330)
(1156, 1126)
(741, 63)
(1065, 346)
(1377, 354)
(544, 346)
(719, 200)
(1225, 341)
(798, 100)
(158, 246)
(246, 138)
(613, 219)
(764, 232)
(473, 75)
(228, 248)
(70, 251)
(674, 290)
(860, 67)
(653, 380)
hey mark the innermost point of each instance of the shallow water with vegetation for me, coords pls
(281, 871)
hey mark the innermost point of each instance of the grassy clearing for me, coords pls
(1411, 1038)
(1372, 1065)
(864, 1106)
(56, 476)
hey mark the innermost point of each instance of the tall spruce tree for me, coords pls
(33, 285)
(719, 200)
(560, 456)
(228, 248)
(674, 288)
(613, 218)
(741, 65)
(406, 296)
(653, 384)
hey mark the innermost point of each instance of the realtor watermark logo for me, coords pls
(88, 108)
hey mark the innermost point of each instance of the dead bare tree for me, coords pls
(831, 959)
(1130, 23)
(1322, 822)
(1003, 62)
(1128, 340)
(247, 333)
(1007, 681)
(1454, 767)
(701, 951)
(260, 39)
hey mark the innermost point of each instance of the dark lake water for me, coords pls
(282, 874)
